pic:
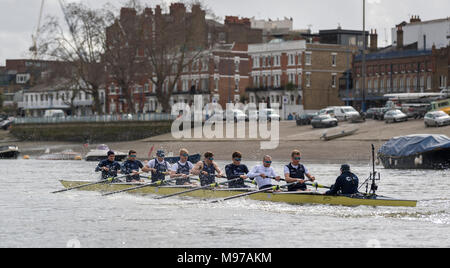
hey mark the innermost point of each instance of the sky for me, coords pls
(19, 18)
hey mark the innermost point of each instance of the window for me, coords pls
(333, 60)
(216, 84)
(333, 80)
(429, 83)
(308, 79)
(308, 59)
(277, 80)
(291, 59)
(292, 78)
(277, 61)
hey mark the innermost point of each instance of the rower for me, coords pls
(296, 172)
(207, 170)
(346, 184)
(131, 167)
(235, 171)
(264, 173)
(109, 167)
(158, 167)
(182, 169)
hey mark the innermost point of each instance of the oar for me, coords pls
(143, 186)
(138, 187)
(314, 184)
(109, 180)
(213, 185)
(274, 188)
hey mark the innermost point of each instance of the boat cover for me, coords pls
(414, 144)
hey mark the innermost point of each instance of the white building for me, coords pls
(425, 33)
(58, 96)
(275, 65)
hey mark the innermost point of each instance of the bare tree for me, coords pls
(81, 42)
(155, 46)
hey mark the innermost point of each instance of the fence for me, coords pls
(95, 119)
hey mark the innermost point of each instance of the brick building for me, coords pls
(399, 69)
(220, 74)
(300, 75)
(18, 76)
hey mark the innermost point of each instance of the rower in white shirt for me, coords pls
(263, 174)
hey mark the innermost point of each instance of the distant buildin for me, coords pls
(399, 69)
(344, 37)
(297, 74)
(425, 34)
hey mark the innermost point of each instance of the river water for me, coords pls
(32, 217)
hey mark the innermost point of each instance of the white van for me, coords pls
(54, 113)
(342, 113)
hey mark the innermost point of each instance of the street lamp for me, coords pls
(363, 71)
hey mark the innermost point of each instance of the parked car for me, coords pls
(305, 119)
(380, 112)
(7, 123)
(437, 119)
(237, 115)
(371, 113)
(395, 116)
(415, 110)
(345, 113)
(324, 121)
(330, 111)
(271, 114)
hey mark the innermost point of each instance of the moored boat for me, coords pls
(296, 198)
(64, 155)
(9, 152)
(416, 152)
(100, 153)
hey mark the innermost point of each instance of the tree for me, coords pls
(155, 47)
(80, 41)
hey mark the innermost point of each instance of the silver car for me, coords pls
(437, 119)
(394, 116)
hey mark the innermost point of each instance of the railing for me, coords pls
(95, 119)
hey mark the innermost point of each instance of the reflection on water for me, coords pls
(31, 216)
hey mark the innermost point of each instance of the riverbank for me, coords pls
(354, 148)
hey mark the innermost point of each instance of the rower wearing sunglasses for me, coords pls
(182, 169)
(296, 172)
(264, 173)
(236, 170)
(207, 170)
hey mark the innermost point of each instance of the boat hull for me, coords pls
(283, 197)
(9, 155)
(438, 159)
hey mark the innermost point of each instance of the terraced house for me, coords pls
(215, 63)
(400, 68)
(298, 74)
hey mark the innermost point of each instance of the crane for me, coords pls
(34, 48)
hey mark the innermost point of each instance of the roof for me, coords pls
(57, 85)
(393, 54)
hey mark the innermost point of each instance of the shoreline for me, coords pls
(354, 148)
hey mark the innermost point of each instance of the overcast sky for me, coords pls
(18, 18)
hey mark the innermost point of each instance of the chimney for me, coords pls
(400, 37)
(373, 40)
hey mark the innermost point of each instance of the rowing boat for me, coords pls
(296, 198)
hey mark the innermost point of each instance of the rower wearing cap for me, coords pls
(237, 170)
(132, 167)
(182, 169)
(158, 167)
(109, 167)
(263, 174)
(295, 172)
(207, 170)
(346, 184)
